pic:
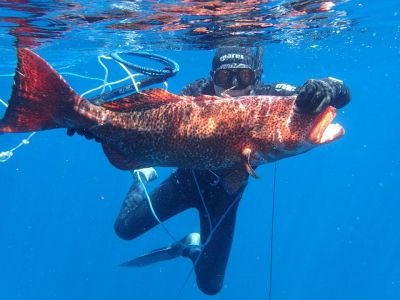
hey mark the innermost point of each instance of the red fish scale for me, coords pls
(199, 132)
(156, 128)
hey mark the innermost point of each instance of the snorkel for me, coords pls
(258, 67)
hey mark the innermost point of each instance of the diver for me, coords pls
(236, 71)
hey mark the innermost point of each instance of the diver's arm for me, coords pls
(275, 89)
(203, 86)
(313, 96)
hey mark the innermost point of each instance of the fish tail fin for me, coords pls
(41, 99)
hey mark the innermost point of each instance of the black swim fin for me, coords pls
(152, 257)
(166, 253)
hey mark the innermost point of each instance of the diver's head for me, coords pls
(234, 71)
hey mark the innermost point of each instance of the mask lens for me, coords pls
(224, 78)
(246, 77)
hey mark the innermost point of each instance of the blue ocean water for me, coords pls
(336, 211)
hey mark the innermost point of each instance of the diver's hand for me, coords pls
(313, 97)
(316, 94)
(82, 132)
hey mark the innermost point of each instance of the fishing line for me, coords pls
(105, 79)
(131, 76)
(271, 242)
(212, 232)
(155, 76)
(217, 178)
(105, 70)
(136, 172)
(202, 199)
(6, 155)
(83, 76)
(4, 103)
(108, 84)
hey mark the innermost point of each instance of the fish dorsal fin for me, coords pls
(158, 95)
(119, 159)
(141, 101)
(206, 98)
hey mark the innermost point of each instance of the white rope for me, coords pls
(131, 76)
(107, 84)
(136, 172)
(6, 155)
(4, 103)
(105, 68)
(81, 76)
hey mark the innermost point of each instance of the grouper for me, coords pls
(157, 128)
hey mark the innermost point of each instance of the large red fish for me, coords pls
(157, 128)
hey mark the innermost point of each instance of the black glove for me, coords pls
(315, 95)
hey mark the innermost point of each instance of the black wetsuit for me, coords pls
(221, 191)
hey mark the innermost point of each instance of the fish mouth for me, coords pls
(323, 131)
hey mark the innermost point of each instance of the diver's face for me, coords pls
(233, 81)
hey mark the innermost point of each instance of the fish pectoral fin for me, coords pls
(246, 162)
(118, 159)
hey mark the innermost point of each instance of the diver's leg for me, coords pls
(134, 199)
(222, 202)
(168, 199)
(217, 205)
(210, 266)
